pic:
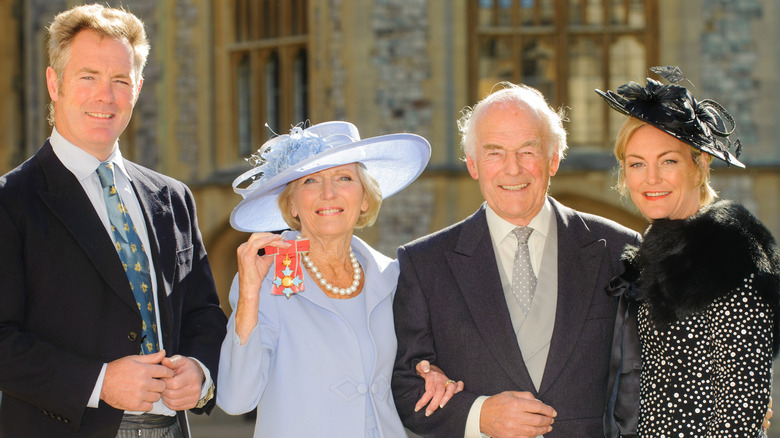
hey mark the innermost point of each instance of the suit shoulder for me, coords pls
(441, 239)
(25, 177)
(179, 191)
(156, 176)
(604, 225)
(616, 235)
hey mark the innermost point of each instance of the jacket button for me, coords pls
(131, 336)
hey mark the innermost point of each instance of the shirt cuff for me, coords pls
(204, 389)
(94, 399)
(472, 422)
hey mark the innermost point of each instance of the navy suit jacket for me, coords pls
(450, 309)
(65, 303)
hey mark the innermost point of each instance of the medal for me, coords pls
(288, 273)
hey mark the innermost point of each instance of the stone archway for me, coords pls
(222, 256)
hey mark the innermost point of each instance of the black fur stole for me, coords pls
(687, 264)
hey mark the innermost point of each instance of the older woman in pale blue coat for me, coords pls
(311, 341)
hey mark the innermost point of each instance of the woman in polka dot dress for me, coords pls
(702, 291)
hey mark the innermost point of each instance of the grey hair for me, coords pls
(553, 135)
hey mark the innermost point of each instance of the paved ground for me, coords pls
(222, 425)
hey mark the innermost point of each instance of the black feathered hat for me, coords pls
(704, 124)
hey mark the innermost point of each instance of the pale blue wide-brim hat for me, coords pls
(393, 160)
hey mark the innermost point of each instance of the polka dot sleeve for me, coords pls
(741, 327)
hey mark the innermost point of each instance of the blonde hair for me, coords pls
(108, 23)
(365, 219)
(706, 193)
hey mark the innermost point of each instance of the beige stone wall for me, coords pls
(387, 66)
(10, 115)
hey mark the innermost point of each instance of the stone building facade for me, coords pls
(387, 66)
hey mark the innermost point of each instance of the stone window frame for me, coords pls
(559, 26)
(261, 71)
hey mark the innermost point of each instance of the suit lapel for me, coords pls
(156, 206)
(66, 199)
(473, 264)
(579, 259)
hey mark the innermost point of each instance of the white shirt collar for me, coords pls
(81, 163)
(500, 227)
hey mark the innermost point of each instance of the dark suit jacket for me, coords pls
(450, 309)
(65, 303)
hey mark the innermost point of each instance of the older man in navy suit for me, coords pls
(110, 323)
(511, 300)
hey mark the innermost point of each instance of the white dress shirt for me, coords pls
(505, 248)
(83, 166)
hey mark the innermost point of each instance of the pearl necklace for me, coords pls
(326, 284)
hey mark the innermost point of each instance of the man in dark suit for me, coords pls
(532, 349)
(71, 326)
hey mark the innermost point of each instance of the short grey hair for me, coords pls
(553, 133)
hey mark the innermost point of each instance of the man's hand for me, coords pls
(182, 390)
(133, 383)
(515, 414)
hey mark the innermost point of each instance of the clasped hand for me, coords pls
(135, 383)
(515, 414)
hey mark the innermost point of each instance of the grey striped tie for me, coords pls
(523, 278)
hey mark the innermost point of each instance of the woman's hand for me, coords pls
(252, 269)
(439, 388)
(765, 425)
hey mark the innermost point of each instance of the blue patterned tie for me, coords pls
(133, 256)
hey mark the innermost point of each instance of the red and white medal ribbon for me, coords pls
(288, 272)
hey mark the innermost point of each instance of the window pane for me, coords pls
(299, 15)
(244, 106)
(496, 63)
(300, 88)
(271, 88)
(632, 67)
(636, 14)
(587, 12)
(628, 12)
(504, 13)
(547, 12)
(619, 12)
(272, 14)
(527, 12)
(538, 71)
(586, 126)
(270, 70)
(241, 12)
(485, 13)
